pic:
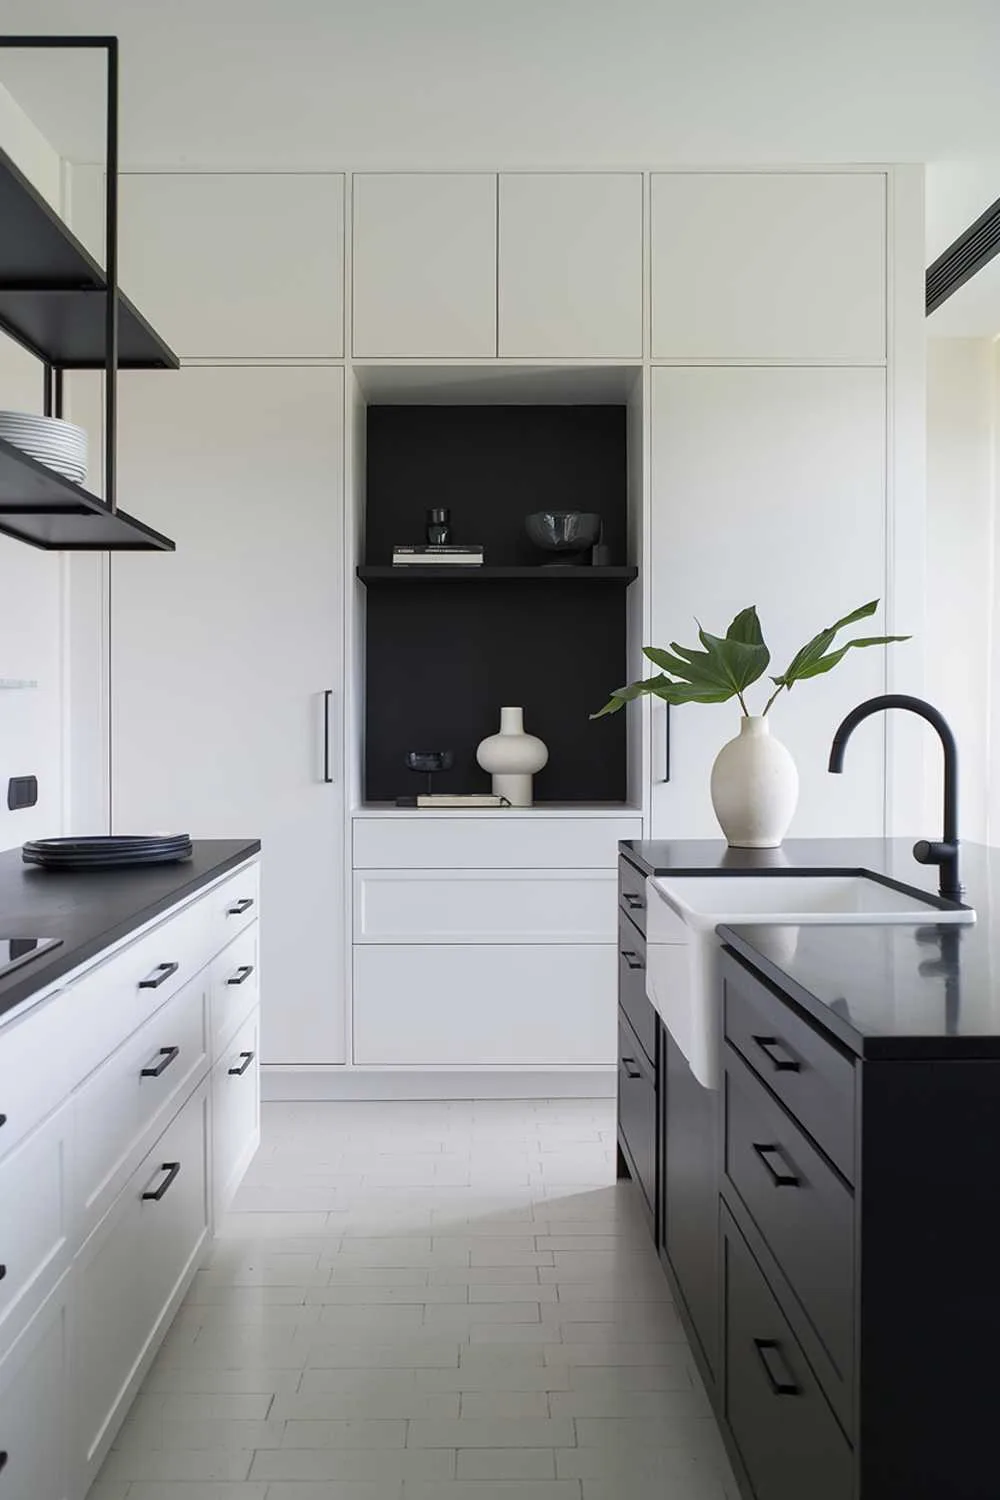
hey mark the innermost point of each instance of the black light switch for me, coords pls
(22, 791)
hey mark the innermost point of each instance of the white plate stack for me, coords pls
(57, 444)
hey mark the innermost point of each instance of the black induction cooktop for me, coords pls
(21, 950)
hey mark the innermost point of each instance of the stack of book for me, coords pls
(428, 556)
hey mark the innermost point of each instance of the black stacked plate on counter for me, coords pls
(107, 852)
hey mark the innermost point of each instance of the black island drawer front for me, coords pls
(806, 1070)
(637, 1109)
(786, 1433)
(632, 892)
(632, 995)
(805, 1214)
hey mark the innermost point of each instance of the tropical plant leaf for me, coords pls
(624, 695)
(828, 662)
(746, 628)
(803, 663)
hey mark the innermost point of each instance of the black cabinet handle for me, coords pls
(3, 1460)
(242, 974)
(327, 700)
(240, 907)
(3, 1272)
(632, 901)
(779, 1377)
(160, 974)
(779, 1178)
(3, 1119)
(777, 1055)
(632, 959)
(167, 1056)
(172, 1168)
(248, 1058)
(629, 1063)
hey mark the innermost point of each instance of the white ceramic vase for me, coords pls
(512, 758)
(755, 787)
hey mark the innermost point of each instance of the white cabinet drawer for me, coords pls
(489, 1005)
(235, 1112)
(35, 1220)
(234, 987)
(232, 905)
(134, 1089)
(173, 1209)
(34, 1406)
(497, 842)
(485, 906)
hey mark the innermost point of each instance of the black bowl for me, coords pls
(563, 530)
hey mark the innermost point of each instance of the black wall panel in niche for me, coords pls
(442, 660)
(492, 466)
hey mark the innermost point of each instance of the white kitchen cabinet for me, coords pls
(768, 488)
(223, 652)
(497, 841)
(486, 1005)
(424, 265)
(237, 265)
(36, 1181)
(570, 265)
(769, 265)
(235, 1111)
(485, 906)
(35, 1441)
(174, 1213)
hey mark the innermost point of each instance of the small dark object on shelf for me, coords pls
(439, 526)
(600, 554)
(429, 763)
(570, 534)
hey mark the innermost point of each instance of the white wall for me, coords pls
(962, 415)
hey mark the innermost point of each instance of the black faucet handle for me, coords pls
(934, 852)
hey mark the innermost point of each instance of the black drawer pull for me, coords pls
(240, 907)
(167, 1056)
(780, 1179)
(779, 1377)
(160, 974)
(3, 1272)
(3, 1119)
(242, 973)
(628, 1063)
(172, 1168)
(247, 1060)
(3, 1460)
(777, 1055)
(632, 959)
(632, 901)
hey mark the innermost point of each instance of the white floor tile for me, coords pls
(507, 1404)
(472, 1489)
(318, 1464)
(506, 1463)
(492, 1432)
(155, 1490)
(341, 1433)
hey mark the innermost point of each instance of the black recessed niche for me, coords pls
(443, 654)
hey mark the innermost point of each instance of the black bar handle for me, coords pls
(632, 901)
(779, 1376)
(248, 1058)
(777, 1054)
(172, 1168)
(666, 743)
(779, 1178)
(239, 907)
(327, 700)
(3, 1272)
(242, 974)
(632, 959)
(167, 1056)
(631, 1068)
(3, 1459)
(3, 1119)
(159, 976)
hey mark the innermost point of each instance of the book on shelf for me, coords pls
(461, 799)
(467, 556)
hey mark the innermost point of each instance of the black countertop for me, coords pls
(884, 992)
(91, 909)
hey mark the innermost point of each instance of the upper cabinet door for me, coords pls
(571, 265)
(237, 265)
(769, 265)
(425, 265)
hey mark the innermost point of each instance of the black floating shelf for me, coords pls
(39, 506)
(427, 573)
(53, 291)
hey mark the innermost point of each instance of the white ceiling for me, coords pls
(324, 83)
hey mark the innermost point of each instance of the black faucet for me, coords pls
(944, 854)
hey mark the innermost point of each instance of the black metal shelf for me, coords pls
(427, 573)
(53, 292)
(39, 506)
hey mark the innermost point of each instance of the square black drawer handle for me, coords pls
(632, 901)
(242, 974)
(778, 1177)
(631, 1067)
(777, 1055)
(779, 1376)
(159, 976)
(248, 1058)
(632, 959)
(172, 1169)
(240, 907)
(167, 1056)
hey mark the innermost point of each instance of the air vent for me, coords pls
(965, 256)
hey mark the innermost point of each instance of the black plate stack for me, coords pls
(107, 852)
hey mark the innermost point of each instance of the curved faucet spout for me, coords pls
(943, 853)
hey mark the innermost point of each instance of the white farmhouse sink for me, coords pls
(682, 949)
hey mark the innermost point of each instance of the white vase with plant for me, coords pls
(754, 784)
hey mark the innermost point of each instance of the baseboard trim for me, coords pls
(317, 1084)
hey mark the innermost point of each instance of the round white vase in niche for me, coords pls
(512, 758)
(755, 787)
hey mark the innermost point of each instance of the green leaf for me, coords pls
(624, 695)
(804, 663)
(745, 628)
(827, 663)
(734, 663)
